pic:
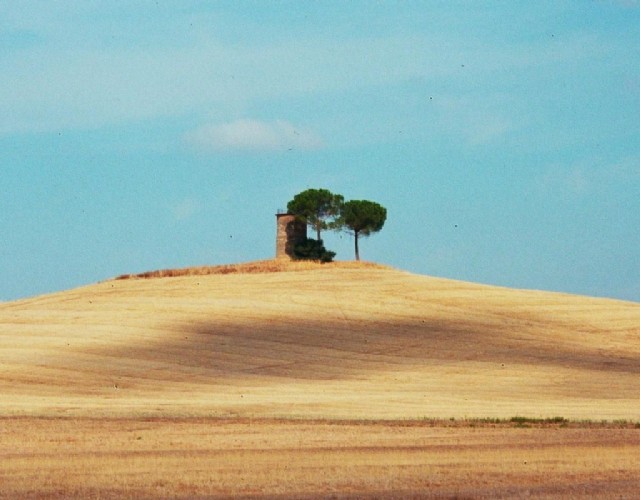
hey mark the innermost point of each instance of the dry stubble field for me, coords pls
(337, 380)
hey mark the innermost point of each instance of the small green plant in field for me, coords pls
(521, 421)
(557, 420)
(488, 420)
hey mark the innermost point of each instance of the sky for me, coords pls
(502, 137)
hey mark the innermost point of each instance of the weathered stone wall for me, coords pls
(290, 232)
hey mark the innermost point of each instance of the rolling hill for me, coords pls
(344, 341)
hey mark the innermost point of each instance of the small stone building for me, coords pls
(290, 232)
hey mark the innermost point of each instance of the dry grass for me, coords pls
(260, 266)
(108, 390)
(152, 458)
(325, 342)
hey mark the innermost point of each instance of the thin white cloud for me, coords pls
(589, 176)
(78, 77)
(73, 86)
(478, 119)
(185, 209)
(576, 181)
(626, 3)
(253, 135)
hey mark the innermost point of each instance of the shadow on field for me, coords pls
(334, 349)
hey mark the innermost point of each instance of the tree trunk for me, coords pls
(356, 240)
(318, 232)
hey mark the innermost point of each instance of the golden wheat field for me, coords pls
(276, 379)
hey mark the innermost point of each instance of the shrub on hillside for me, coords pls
(311, 249)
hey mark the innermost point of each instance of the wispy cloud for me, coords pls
(626, 3)
(587, 177)
(185, 209)
(56, 86)
(253, 135)
(477, 119)
(93, 68)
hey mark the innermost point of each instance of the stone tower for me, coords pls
(291, 231)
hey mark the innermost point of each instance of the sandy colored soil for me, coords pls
(278, 383)
(191, 458)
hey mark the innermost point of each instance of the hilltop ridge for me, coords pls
(326, 341)
(258, 266)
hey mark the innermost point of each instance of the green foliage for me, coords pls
(362, 217)
(488, 420)
(312, 249)
(531, 420)
(319, 208)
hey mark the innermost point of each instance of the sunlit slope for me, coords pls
(327, 342)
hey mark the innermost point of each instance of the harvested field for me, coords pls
(313, 381)
(151, 458)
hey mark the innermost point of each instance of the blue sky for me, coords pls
(502, 137)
